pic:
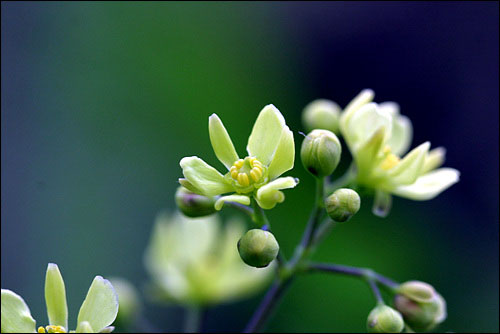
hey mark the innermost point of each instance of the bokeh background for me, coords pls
(100, 101)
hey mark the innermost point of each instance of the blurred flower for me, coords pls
(97, 312)
(196, 261)
(377, 136)
(422, 307)
(130, 304)
(321, 114)
(271, 152)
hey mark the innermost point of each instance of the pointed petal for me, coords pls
(55, 297)
(410, 167)
(402, 131)
(284, 157)
(84, 327)
(382, 204)
(16, 316)
(365, 122)
(368, 154)
(204, 177)
(100, 307)
(269, 195)
(221, 142)
(434, 159)
(429, 185)
(242, 199)
(364, 97)
(186, 184)
(266, 134)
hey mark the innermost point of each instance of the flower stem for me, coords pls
(193, 320)
(265, 308)
(364, 273)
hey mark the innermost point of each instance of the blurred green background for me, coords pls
(100, 101)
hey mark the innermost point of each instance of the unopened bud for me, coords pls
(342, 204)
(258, 248)
(421, 306)
(320, 152)
(194, 205)
(321, 114)
(384, 319)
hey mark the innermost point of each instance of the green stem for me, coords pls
(343, 181)
(193, 320)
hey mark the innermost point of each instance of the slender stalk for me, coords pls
(352, 271)
(267, 305)
(193, 320)
(344, 180)
(243, 208)
(376, 291)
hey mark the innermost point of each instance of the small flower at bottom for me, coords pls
(97, 313)
(196, 262)
(271, 152)
(384, 319)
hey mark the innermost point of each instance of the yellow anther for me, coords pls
(387, 149)
(239, 163)
(234, 174)
(389, 162)
(55, 329)
(252, 160)
(256, 173)
(41, 329)
(243, 179)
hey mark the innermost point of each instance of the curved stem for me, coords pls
(243, 208)
(265, 308)
(344, 180)
(376, 291)
(193, 320)
(352, 271)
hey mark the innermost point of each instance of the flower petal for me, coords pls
(55, 297)
(269, 195)
(204, 177)
(242, 199)
(266, 134)
(434, 159)
(221, 142)
(365, 122)
(402, 131)
(84, 327)
(367, 155)
(364, 97)
(284, 157)
(100, 307)
(429, 185)
(16, 315)
(382, 203)
(410, 167)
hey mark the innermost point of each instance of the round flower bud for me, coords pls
(321, 114)
(320, 152)
(384, 319)
(421, 306)
(258, 248)
(194, 205)
(342, 204)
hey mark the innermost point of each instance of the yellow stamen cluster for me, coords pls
(390, 160)
(247, 175)
(51, 329)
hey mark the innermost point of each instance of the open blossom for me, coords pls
(271, 152)
(196, 261)
(378, 136)
(97, 313)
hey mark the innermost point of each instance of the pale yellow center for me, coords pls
(390, 159)
(247, 171)
(51, 329)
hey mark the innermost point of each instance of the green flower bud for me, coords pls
(321, 114)
(194, 205)
(422, 307)
(342, 204)
(384, 319)
(130, 305)
(258, 248)
(320, 152)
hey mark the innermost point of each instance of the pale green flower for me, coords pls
(378, 136)
(195, 261)
(97, 312)
(271, 152)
